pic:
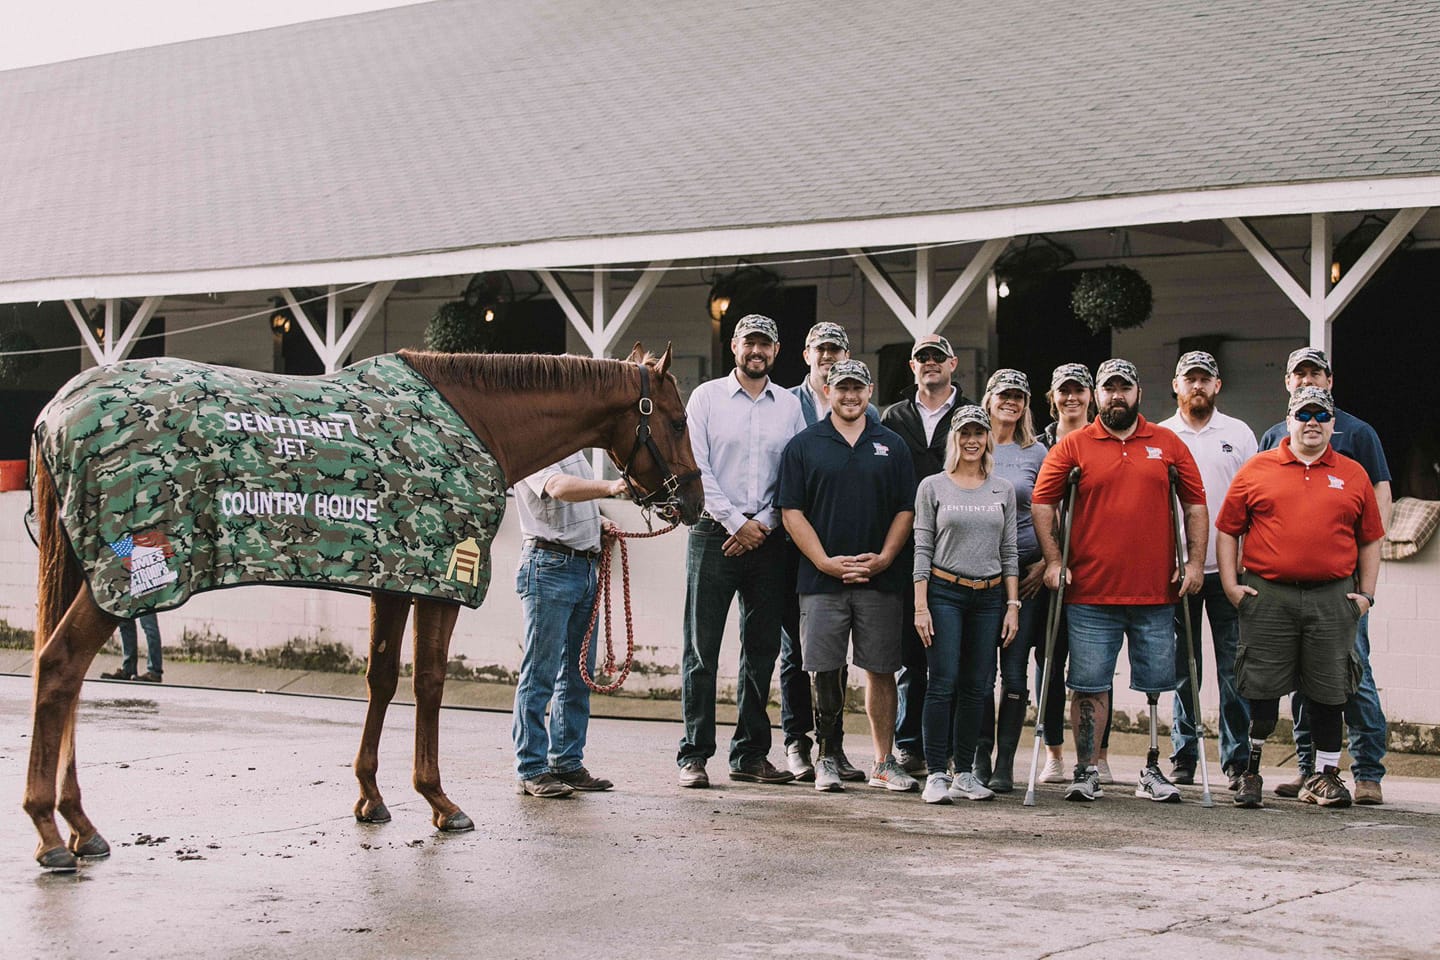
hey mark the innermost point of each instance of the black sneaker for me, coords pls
(1249, 792)
(1182, 771)
(1086, 785)
(760, 770)
(1325, 789)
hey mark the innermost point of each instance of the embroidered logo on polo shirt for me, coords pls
(1154, 453)
(1226, 448)
(881, 450)
(1335, 482)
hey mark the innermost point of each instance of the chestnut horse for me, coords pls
(530, 411)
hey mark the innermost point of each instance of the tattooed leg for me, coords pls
(1085, 708)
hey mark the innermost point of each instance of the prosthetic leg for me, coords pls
(1052, 623)
(1154, 785)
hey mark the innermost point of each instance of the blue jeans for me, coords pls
(711, 582)
(1364, 720)
(1096, 634)
(128, 647)
(556, 593)
(1234, 709)
(961, 666)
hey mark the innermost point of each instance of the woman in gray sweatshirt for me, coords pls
(967, 591)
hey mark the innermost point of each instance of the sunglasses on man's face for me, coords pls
(1319, 416)
(930, 356)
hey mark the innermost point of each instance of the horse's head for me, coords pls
(651, 444)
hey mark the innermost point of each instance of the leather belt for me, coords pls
(550, 546)
(948, 577)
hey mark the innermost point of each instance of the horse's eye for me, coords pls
(678, 426)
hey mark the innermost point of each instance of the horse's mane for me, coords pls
(521, 371)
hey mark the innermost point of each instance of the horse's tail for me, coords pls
(60, 574)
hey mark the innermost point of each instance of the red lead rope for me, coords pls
(602, 594)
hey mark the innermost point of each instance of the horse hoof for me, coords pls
(93, 849)
(58, 860)
(378, 814)
(457, 822)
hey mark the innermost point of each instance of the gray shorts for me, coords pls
(829, 622)
(1295, 637)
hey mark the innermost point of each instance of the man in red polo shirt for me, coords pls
(1312, 532)
(1122, 579)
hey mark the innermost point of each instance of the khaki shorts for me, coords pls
(1298, 637)
(829, 621)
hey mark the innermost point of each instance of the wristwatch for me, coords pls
(1370, 598)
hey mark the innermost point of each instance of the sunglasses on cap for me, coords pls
(1319, 416)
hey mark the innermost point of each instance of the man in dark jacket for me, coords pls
(923, 421)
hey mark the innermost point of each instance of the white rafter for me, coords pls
(599, 328)
(924, 318)
(115, 344)
(336, 344)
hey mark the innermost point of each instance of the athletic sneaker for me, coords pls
(1102, 767)
(967, 786)
(1085, 786)
(1325, 789)
(1250, 792)
(1154, 785)
(913, 763)
(827, 776)
(936, 787)
(890, 775)
(1054, 771)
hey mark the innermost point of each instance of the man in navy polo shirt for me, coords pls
(847, 498)
(1364, 717)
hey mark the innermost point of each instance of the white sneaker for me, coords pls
(827, 776)
(1154, 785)
(1054, 771)
(892, 776)
(967, 786)
(1102, 767)
(1085, 787)
(937, 786)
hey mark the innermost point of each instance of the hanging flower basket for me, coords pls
(459, 327)
(1111, 298)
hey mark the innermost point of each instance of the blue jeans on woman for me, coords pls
(556, 593)
(961, 662)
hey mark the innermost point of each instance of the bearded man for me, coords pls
(739, 426)
(1121, 581)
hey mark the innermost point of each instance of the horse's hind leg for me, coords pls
(59, 670)
(387, 629)
(85, 840)
(434, 622)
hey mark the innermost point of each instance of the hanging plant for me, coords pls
(11, 365)
(1111, 297)
(460, 327)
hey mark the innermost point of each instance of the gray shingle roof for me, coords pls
(463, 124)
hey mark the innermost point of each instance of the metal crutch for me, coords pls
(1205, 798)
(1052, 623)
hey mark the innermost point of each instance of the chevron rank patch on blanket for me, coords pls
(175, 478)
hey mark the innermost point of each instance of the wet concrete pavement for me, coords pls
(229, 814)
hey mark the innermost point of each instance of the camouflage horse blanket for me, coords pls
(175, 478)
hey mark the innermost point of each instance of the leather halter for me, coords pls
(667, 498)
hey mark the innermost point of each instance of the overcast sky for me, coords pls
(44, 31)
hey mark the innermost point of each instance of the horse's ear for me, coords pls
(637, 353)
(664, 363)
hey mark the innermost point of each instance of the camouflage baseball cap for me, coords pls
(1115, 367)
(933, 341)
(970, 413)
(1307, 355)
(827, 332)
(1008, 379)
(1072, 371)
(757, 323)
(848, 370)
(1197, 360)
(1310, 397)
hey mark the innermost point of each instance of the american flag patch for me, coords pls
(124, 546)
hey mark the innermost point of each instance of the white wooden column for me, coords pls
(114, 344)
(927, 315)
(600, 328)
(1320, 304)
(337, 344)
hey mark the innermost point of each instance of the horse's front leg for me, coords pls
(59, 672)
(387, 629)
(434, 622)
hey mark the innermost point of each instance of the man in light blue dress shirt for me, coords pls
(739, 425)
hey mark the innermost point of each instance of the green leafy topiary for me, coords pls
(1107, 297)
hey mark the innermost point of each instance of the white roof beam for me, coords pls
(317, 342)
(970, 278)
(1269, 262)
(888, 291)
(1373, 258)
(600, 329)
(359, 323)
(82, 323)
(126, 343)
